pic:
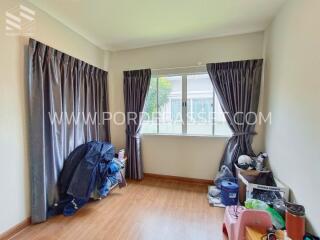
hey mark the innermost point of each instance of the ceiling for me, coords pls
(126, 24)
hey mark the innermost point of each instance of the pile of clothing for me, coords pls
(89, 172)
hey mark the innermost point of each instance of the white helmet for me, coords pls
(244, 159)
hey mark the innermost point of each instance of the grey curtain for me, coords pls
(135, 86)
(237, 85)
(67, 102)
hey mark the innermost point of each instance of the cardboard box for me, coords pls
(248, 187)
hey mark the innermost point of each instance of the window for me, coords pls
(183, 104)
(200, 105)
(170, 104)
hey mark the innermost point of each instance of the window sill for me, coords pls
(183, 135)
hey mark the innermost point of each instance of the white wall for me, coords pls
(293, 97)
(195, 157)
(14, 170)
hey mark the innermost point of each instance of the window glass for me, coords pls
(149, 124)
(200, 105)
(183, 104)
(170, 104)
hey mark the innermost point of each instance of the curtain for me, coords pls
(135, 86)
(67, 102)
(237, 85)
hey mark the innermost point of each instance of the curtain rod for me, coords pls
(199, 65)
(173, 68)
(195, 66)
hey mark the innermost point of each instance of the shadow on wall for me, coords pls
(26, 113)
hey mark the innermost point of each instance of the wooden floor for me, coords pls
(148, 210)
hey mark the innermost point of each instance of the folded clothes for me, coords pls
(214, 196)
(214, 191)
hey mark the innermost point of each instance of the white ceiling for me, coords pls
(126, 24)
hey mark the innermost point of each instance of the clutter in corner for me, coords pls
(90, 172)
(255, 198)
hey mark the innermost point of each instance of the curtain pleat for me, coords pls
(237, 85)
(135, 86)
(64, 92)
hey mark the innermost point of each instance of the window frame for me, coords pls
(184, 108)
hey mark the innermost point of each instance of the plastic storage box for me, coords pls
(229, 193)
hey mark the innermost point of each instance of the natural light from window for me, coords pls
(183, 104)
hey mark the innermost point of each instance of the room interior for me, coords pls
(126, 47)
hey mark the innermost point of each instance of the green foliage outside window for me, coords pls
(165, 87)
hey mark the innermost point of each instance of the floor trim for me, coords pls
(15, 229)
(181, 179)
